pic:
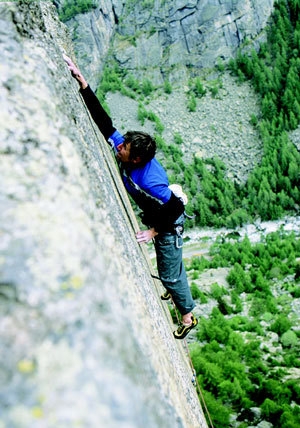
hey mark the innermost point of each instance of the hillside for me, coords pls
(220, 126)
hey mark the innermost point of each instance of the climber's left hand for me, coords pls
(144, 236)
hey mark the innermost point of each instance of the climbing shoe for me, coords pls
(166, 296)
(183, 330)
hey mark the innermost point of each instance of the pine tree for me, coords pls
(202, 211)
(265, 199)
(269, 108)
(293, 121)
(294, 11)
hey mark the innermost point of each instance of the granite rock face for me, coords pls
(84, 338)
(159, 38)
(91, 34)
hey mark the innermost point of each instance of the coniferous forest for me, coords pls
(247, 354)
(273, 188)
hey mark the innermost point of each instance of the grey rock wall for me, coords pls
(156, 38)
(91, 34)
(84, 338)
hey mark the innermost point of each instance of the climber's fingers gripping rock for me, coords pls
(71, 66)
(75, 72)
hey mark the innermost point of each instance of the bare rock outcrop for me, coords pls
(156, 38)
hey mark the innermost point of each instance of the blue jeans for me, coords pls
(171, 270)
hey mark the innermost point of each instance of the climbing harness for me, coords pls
(179, 231)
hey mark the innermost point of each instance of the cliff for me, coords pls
(85, 339)
(166, 38)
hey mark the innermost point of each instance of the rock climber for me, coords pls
(162, 211)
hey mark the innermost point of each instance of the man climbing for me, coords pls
(162, 211)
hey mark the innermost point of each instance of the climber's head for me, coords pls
(137, 148)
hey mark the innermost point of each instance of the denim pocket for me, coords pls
(168, 257)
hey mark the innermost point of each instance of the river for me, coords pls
(198, 240)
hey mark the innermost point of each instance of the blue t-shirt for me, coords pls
(151, 178)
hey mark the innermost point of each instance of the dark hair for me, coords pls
(142, 145)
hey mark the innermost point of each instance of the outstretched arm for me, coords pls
(101, 118)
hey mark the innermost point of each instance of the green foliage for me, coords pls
(289, 338)
(116, 79)
(281, 325)
(147, 87)
(167, 87)
(237, 217)
(277, 252)
(253, 120)
(220, 65)
(228, 357)
(239, 279)
(132, 83)
(295, 292)
(198, 88)
(214, 196)
(214, 90)
(215, 329)
(217, 292)
(130, 5)
(197, 294)
(274, 73)
(147, 4)
(192, 103)
(220, 368)
(160, 142)
(112, 78)
(219, 414)
(270, 410)
(71, 8)
(236, 301)
(224, 307)
(177, 138)
(159, 127)
(198, 263)
(290, 418)
(142, 114)
(260, 303)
